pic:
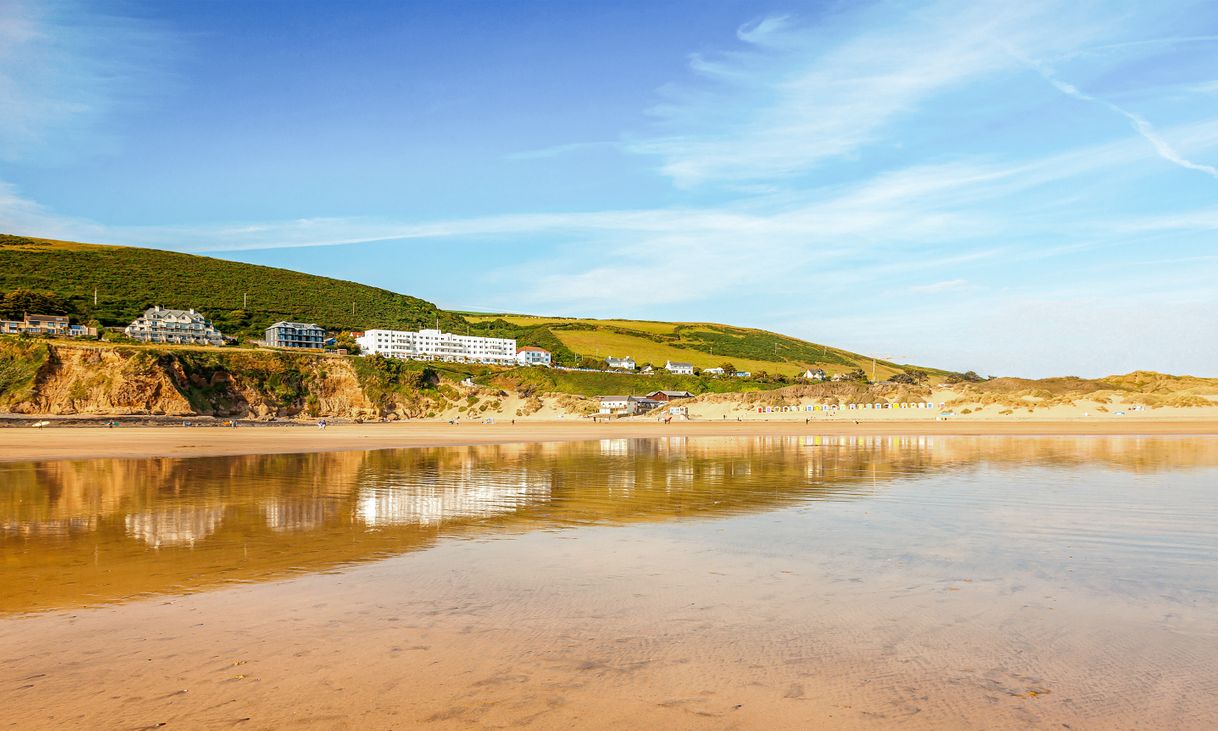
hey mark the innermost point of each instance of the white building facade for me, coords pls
(437, 345)
(680, 369)
(529, 355)
(626, 363)
(627, 405)
(161, 325)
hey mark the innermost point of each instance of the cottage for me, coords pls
(742, 374)
(179, 327)
(813, 374)
(669, 395)
(285, 334)
(680, 369)
(713, 371)
(531, 355)
(56, 325)
(625, 364)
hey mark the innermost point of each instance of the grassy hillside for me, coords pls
(583, 383)
(129, 280)
(705, 345)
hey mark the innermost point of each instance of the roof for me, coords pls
(531, 349)
(285, 323)
(673, 394)
(674, 364)
(614, 398)
(168, 312)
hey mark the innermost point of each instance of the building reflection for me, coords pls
(466, 495)
(246, 518)
(175, 526)
(298, 514)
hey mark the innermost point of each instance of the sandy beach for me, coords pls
(52, 443)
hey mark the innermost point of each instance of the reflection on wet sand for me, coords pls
(76, 533)
(810, 582)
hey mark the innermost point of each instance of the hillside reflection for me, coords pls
(78, 533)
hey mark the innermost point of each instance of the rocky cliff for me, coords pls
(46, 377)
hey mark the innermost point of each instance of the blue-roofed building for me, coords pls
(295, 335)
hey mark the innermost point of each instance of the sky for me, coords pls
(1013, 188)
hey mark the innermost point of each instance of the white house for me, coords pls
(626, 364)
(161, 325)
(627, 405)
(680, 369)
(813, 374)
(742, 374)
(531, 355)
(614, 404)
(716, 371)
(437, 345)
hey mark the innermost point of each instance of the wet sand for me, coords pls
(19, 444)
(540, 633)
(924, 583)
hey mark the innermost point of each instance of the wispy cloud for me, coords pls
(64, 69)
(1144, 128)
(796, 97)
(946, 285)
(560, 150)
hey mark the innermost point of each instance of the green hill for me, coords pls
(242, 299)
(704, 344)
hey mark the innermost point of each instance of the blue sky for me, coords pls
(1016, 188)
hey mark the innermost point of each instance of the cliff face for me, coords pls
(97, 381)
(53, 378)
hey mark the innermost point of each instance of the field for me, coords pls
(704, 344)
(605, 343)
(647, 326)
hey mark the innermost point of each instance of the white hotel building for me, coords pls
(436, 345)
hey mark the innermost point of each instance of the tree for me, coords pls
(967, 377)
(858, 375)
(19, 302)
(728, 367)
(345, 340)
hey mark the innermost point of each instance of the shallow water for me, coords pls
(833, 581)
